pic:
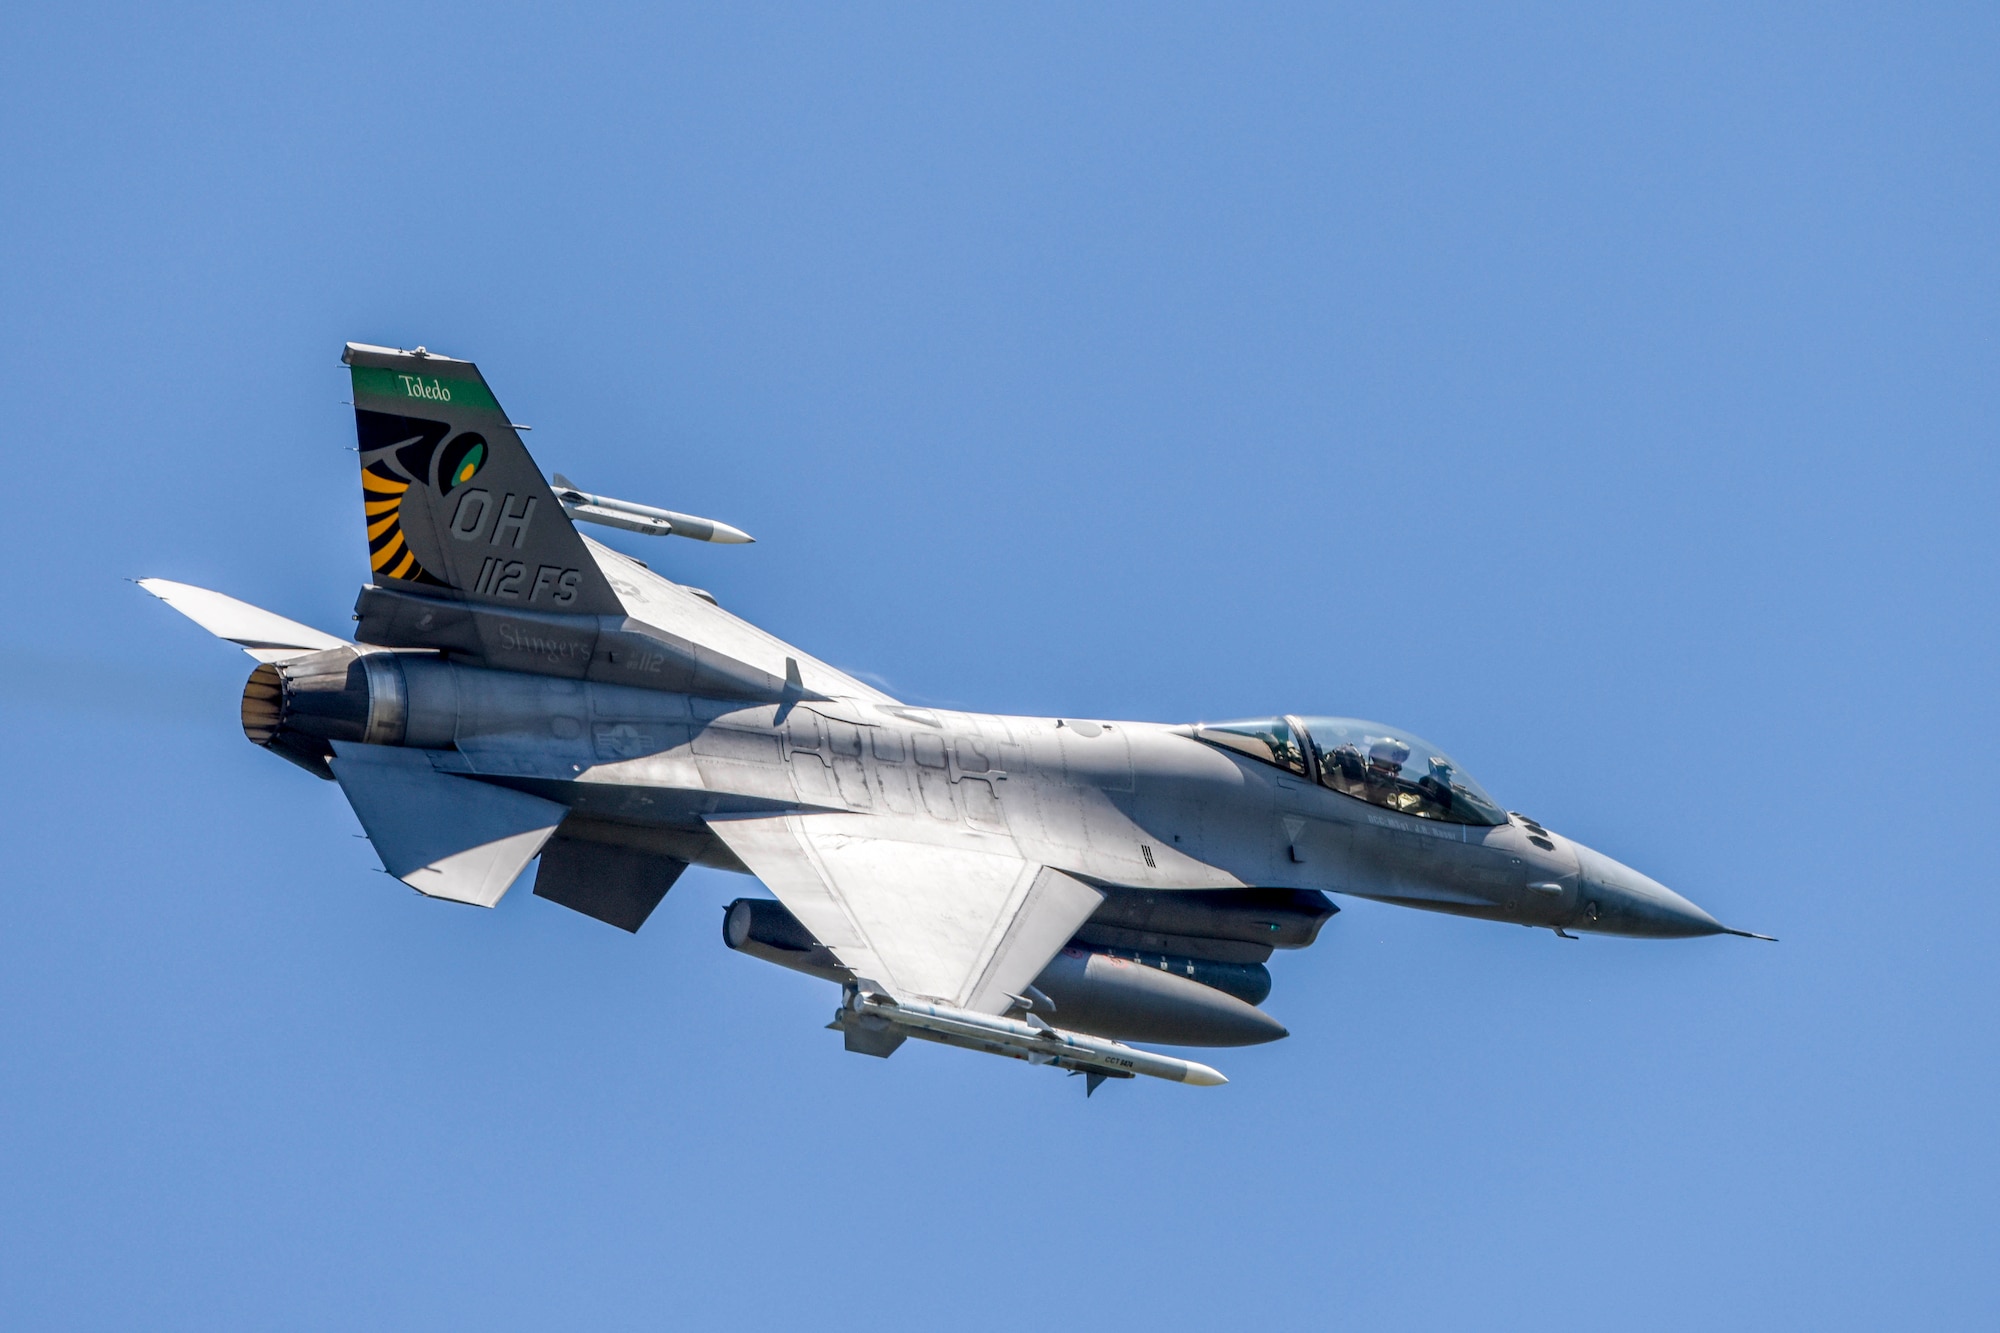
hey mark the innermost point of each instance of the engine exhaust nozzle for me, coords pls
(296, 708)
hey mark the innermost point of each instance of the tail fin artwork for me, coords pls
(454, 505)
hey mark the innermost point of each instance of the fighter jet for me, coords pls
(1048, 889)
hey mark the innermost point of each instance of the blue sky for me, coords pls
(1607, 395)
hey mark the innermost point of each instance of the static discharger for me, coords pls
(602, 509)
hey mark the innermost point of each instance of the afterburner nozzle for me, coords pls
(296, 707)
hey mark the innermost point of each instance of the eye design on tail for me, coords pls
(461, 460)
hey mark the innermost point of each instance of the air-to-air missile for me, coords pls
(866, 1009)
(634, 517)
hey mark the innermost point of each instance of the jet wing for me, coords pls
(260, 633)
(968, 925)
(667, 605)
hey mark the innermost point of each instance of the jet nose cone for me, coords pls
(1629, 903)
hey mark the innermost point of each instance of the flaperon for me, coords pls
(1048, 889)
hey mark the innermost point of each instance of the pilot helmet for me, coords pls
(1388, 754)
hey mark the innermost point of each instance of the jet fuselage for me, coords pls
(1129, 805)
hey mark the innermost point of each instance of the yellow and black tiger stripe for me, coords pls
(382, 505)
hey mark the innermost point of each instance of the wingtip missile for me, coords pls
(646, 519)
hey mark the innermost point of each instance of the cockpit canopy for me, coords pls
(1381, 765)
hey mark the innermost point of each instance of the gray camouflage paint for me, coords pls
(1126, 804)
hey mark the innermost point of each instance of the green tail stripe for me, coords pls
(432, 390)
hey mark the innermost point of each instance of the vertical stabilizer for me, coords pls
(454, 504)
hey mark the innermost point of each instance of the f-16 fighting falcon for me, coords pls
(1051, 889)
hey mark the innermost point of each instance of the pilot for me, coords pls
(1347, 763)
(1386, 758)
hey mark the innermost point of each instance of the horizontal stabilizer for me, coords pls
(444, 836)
(260, 633)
